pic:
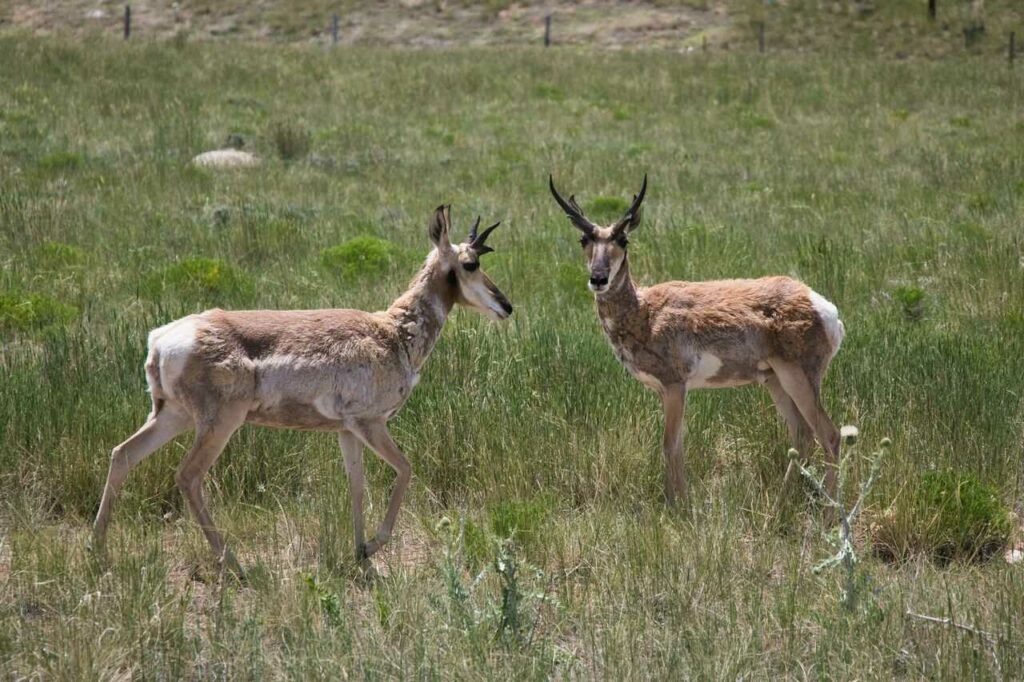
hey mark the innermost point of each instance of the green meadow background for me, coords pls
(534, 542)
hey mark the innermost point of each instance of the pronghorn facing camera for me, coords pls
(678, 336)
(344, 371)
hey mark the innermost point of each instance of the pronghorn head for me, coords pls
(605, 247)
(461, 266)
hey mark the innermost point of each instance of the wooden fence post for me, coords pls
(334, 29)
(547, 30)
(127, 21)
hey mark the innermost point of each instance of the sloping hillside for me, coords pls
(894, 28)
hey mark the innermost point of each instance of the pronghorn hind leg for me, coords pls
(161, 427)
(212, 434)
(375, 435)
(805, 396)
(352, 450)
(673, 401)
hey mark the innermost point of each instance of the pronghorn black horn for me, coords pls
(572, 210)
(477, 243)
(472, 230)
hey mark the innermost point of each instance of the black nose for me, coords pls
(599, 281)
(507, 307)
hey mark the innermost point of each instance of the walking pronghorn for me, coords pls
(344, 371)
(677, 336)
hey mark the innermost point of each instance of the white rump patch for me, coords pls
(829, 316)
(707, 367)
(173, 344)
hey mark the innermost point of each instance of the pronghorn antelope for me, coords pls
(344, 371)
(678, 336)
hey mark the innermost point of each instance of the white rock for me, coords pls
(1014, 556)
(226, 158)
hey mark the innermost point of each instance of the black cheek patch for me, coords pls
(453, 279)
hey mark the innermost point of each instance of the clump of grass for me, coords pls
(23, 312)
(571, 282)
(946, 516)
(549, 92)
(291, 140)
(199, 277)
(753, 121)
(981, 202)
(521, 520)
(61, 160)
(359, 257)
(327, 600)
(52, 255)
(911, 300)
(603, 207)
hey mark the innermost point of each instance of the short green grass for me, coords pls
(857, 176)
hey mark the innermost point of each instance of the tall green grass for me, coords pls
(867, 180)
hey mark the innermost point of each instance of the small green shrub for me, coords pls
(22, 312)
(60, 161)
(359, 257)
(946, 516)
(292, 141)
(911, 301)
(199, 277)
(960, 121)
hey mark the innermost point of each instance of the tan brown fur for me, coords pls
(677, 336)
(339, 370)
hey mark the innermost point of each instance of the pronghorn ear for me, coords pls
(439, 225)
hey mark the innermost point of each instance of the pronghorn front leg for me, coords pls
(375, 435)
(673, 400)
(352, 450)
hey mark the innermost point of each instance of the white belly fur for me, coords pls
(706, 367)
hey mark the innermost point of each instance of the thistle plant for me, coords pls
(841, 537)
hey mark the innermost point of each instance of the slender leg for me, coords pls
(673, 400)
(352, 450)
(799, 387)
(163, 425)
(375, 435)
(800, 434)
(212, 434)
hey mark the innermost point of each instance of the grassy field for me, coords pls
(535, 542)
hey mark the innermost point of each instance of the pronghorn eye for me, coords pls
(622, 242)
(471, 266)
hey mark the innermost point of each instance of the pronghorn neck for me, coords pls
(621, 300)
(420, 312)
